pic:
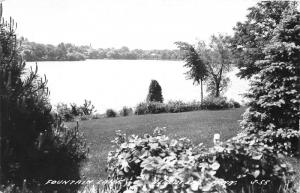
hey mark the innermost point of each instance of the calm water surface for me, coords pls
(118, 83)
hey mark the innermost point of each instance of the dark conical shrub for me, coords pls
(155, 94)
(111, 113)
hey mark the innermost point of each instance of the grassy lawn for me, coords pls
(199, 126)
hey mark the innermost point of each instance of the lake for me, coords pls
(117, 83)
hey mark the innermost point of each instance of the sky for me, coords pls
(144, 24)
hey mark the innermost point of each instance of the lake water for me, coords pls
(117, 83)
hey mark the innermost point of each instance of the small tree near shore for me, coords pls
(197, 68)
(155, 94)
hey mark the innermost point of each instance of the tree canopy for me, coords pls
(251, 36)
(208, 63)
(217, 56)
(197, 68)
(274, 111)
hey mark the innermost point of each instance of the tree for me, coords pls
(154, 94)
(197, 68)
(61, 51)
(274, 111)
(217, 57)
(87, 108)
(34, 145)
(25, 109)
(255, 33)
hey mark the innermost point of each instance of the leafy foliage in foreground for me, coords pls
(62, 152)
(159, 164)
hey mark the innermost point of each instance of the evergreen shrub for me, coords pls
(125, 111)
(111, 113)
(155, 93)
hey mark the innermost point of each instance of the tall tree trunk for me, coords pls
(217, 89)
(219, 78)
(201, 85)
(217, 83)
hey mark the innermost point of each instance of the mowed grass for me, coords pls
(199, 126)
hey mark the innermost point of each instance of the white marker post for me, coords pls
(216, 139)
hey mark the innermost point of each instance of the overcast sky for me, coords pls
(145, 24)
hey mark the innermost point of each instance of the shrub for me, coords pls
(12, 188)
(97, 116)
(159, 164)
(75, 110)
(195, 106)
(110, 113)
(209, 103)
(141, 109)
(175, 106)
(125, 111)
(234, 104)
(154, 94)
(179, 106)
(65, 112)
(87, 108)
(69, 113)
(150, 108)
(60, 153)
(156, 107)
(213, 103)
(67, 149)
(85, 117)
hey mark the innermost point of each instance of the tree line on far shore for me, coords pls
(32, 51)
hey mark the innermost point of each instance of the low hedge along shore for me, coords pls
(179, 106)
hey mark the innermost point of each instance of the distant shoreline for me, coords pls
(101, 59)
(32, 51)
